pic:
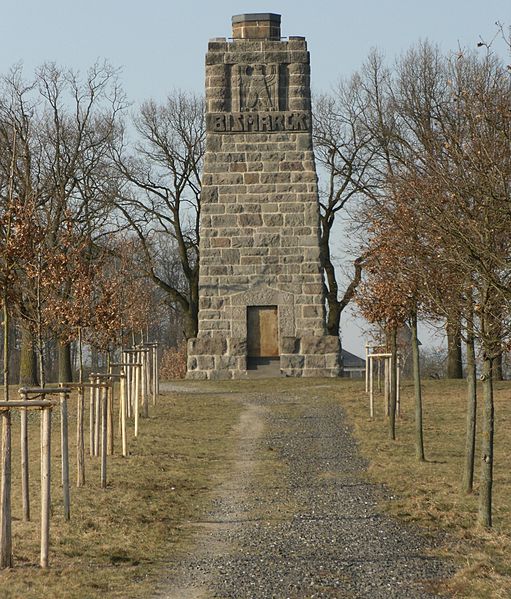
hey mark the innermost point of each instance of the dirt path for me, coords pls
(295, 516)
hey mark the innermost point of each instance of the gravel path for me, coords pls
(296, 518)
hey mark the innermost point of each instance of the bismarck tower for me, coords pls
(261, 303)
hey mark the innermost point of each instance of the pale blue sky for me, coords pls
(160, 44)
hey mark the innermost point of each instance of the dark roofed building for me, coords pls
(353, 366)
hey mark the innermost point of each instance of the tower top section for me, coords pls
(256, 26)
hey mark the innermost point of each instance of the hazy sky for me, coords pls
(160, 44)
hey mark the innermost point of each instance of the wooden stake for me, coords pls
(92, 441)
(64, 444)
(143, 373)
(104, 418)
(129, 374)
(371, 387)
(122, 392)
(154, 372)
(80, 444)
(97, 413)
(110, 417)
(367, 367)
(136, 398)
(5, 530)
(25, 487)
(45, 484)
(386, 385)
(398, 390)
(157, 372)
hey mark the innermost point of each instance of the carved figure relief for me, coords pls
(259, 87)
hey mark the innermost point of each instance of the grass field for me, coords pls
(429, 493)
(119, 538)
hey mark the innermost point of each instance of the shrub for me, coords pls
(173, 363)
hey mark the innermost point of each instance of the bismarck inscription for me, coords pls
(245, 122)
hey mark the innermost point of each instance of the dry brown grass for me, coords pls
(120, 538)
(429, 493)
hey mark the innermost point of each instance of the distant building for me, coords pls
(353, 366)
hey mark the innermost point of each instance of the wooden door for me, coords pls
(262, 332)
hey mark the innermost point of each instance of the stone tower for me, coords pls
(260, 290)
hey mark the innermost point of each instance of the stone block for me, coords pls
(230, 256)
(251, 260)
(297, 42)
(205, 362)
(209, 195)
(238, 167)
(295, 372)
(220, 242)
(312, 311)
(250, 220)
(267, 240)
(315, 361)
(271, 207)
(313, 288)
(251, 178)
(291, 361)
(332, 360)
(273, 220)
(240, 374)
(213, 209)
(316, 344)
(219, 375)
(223, 220)
(207, 345)
(237, 346)
(293, 220)
(197, 375)
(213, 144)
(225, 362)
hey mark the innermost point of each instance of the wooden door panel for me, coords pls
(262, 332)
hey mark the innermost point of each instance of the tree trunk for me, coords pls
(497, 370)
(468, 474)
(65, 370)
(485, 493)
(28, 358)
(191, 322)
(330, 283)
(419, 429)
(393, 384)
(94, 356)
(454, 358)
(5, 484)
(80, 355)
(41, 362)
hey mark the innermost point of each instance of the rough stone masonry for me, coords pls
(260, 289)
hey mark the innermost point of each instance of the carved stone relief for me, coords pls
(259, 87)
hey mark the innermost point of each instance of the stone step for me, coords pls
(263, 367)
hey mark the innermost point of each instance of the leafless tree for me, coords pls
(343, 152)
(159, 193)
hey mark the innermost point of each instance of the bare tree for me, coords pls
(159, 193)
(459, 167)
(343, 152)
